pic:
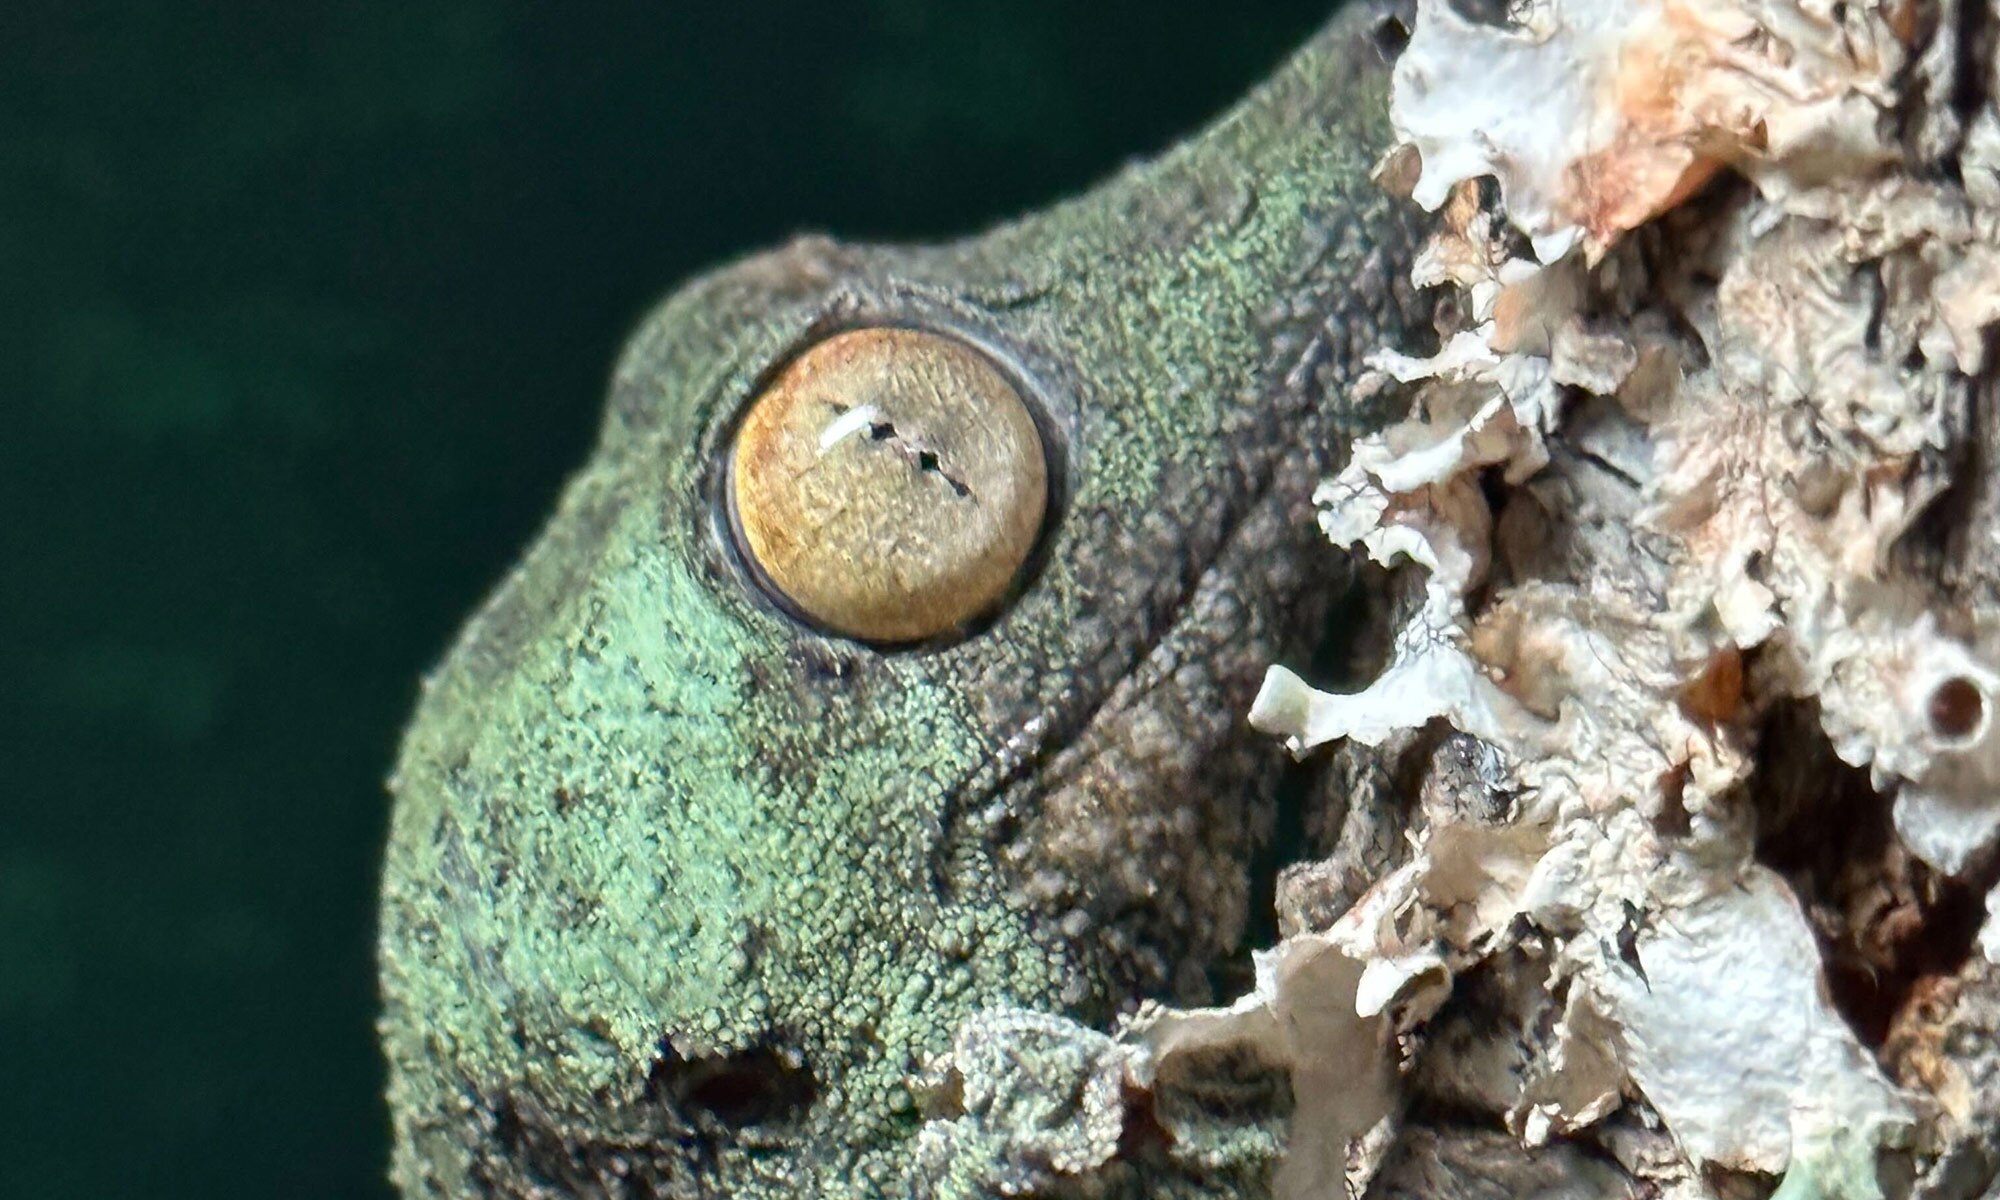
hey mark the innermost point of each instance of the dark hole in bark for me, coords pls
(1957, 708)
(1485, 12)
(1628, 942)
(1448, 316)
(945, 1102)
(1142, 1138)
(1674, 819)
(1885, 921)
(1391, 36)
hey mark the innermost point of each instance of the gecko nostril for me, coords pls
(759, 1086)
(1957, 709)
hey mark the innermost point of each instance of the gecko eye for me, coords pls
(889, 484)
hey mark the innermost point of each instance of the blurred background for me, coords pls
(307, 310)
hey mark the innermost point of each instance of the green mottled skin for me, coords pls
(680, 895)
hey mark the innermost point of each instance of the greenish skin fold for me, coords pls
(681, 896)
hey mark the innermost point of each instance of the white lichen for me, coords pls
(1597, 115)
(1303, 1016)
(1712, 420)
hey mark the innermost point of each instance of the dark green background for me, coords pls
(307, 310)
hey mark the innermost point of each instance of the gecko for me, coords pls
(885, 664)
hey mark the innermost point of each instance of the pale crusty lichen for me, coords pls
(1022, 1102)
(1597, 115)
(1713, 332)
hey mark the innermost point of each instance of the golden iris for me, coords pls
(889, 484)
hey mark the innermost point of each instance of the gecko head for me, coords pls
(696, 859)
(883, 666)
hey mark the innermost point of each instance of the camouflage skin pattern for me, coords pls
(681, 896)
